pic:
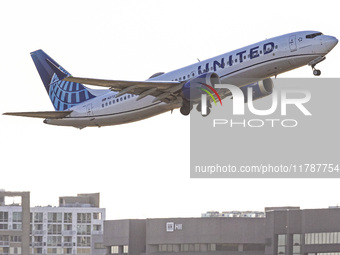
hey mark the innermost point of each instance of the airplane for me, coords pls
(127, 101)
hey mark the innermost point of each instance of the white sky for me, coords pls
(140, 169)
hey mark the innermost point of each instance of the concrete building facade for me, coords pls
(74, 227)
(14, 222)
(283, 231)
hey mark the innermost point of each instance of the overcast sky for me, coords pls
(141, 169)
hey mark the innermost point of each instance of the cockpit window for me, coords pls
(310, 36)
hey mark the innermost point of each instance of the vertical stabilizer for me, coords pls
(63, 94)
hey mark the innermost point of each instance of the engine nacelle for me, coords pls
(260, 89)
(192, 90)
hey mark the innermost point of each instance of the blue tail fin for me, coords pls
(63, 94)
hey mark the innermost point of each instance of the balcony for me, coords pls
(4, 243)
(68, 232)
(37, 244)
(38, 232)
(94, 232)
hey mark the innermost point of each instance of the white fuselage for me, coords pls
(240, 67)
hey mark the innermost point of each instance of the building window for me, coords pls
(114, 249)
(38, 238)
(68, 239)
(17, 216)
(54, 217)
(84, 241)
(4, 250)
(84, 230)
(83, 250)
(253, 247)
(125, 249)
(296, 239)
(54, 229)
(97, 227)
(53, 240)
(99, 246)
(17, 227)
(84, 217)
(54, 250)
(185, 247)
(297, 244)
(212, 247)
(38, 217)
(15, 250)
(226, 247)
(296, 249)
(322, 238)
(67, 217)
(4, 238)
(67, 227)
(97, 216)
(281, 244)
(38, 226)
(67, 250)
(16, 239)
(3, 226)
(3, 216)
(37, 250)
(175, 248)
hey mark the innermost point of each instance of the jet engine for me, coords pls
(192, 89)
(260, 89)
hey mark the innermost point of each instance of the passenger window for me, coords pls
(102, 105)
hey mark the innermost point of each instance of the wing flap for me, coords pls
(119, 84)
(165, 91)
(44, 115)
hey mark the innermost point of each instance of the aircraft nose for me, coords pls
(330, 42)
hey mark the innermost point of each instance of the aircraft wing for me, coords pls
(44, 115)
(165, 91)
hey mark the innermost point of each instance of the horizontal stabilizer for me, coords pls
(44, 115)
